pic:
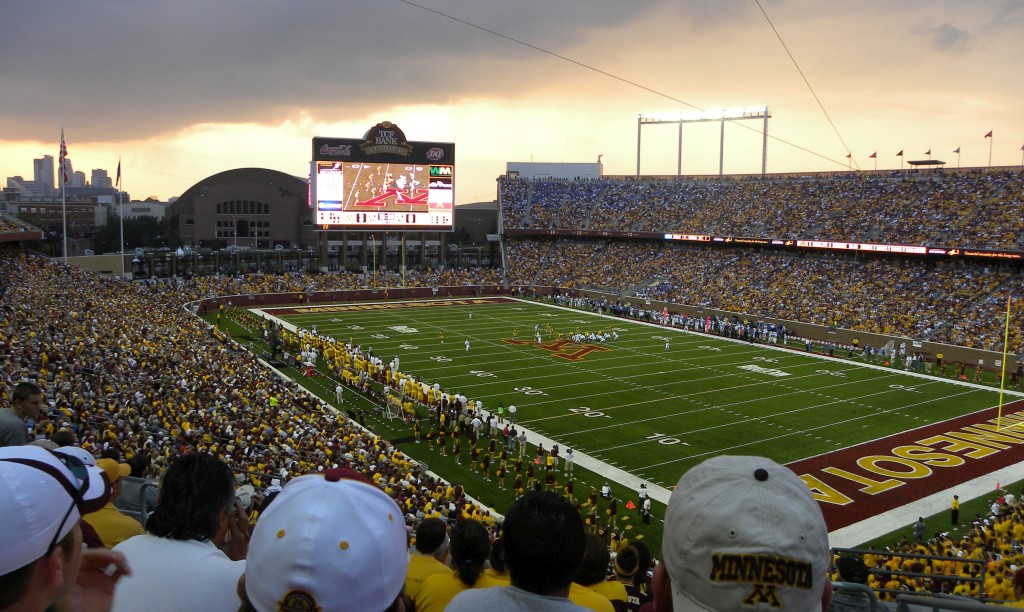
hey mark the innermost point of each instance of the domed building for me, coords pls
(251, 208)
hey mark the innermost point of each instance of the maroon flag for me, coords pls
(63, 158)
(957, 151)
(928, 152)
(900, 154)
(989, 135)
(118, 173)
(873, 155)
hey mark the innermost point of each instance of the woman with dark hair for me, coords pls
(469, 548)
(194, 548)
(498, 568)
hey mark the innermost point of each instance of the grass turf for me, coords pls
(631, 402)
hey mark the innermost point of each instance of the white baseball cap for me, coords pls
(43, 495)
(744, 533)
(330, 541)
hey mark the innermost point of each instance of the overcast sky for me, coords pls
(182, 90)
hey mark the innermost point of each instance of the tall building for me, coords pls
(100, 178)
(42, 170)
(76, 179)
(29, 188)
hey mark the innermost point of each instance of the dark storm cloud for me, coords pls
(948, 37)
(128, 69)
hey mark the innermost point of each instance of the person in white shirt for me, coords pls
(194, 550)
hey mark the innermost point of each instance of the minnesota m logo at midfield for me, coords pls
(563, 349)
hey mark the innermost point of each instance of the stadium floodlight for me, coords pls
(721, 115)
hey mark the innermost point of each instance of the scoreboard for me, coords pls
(382, 182)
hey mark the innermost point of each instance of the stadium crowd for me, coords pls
(161, 382)
(951, 303)
(970, 209)
(986, 560)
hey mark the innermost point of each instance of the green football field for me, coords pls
(633, 403)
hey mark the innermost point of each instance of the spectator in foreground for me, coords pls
(331, 541)
(470, 548)
(851, 569)
(136, 498)
(26, 402)
(593, 573)
(544, 542)
(194, 549)
(112, 526)
(428, 556)
(42, 562)
(742, 533)
(631, 569)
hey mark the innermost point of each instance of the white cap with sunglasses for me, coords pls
(43, 495)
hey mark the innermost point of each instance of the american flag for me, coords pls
(63, 158)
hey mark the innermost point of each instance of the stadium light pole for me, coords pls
(720, 115)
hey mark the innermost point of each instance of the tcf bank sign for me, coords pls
(385, 137)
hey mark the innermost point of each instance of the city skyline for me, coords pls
(249, 85)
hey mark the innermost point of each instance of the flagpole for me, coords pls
(120, 213)
(991, 138)
(63, 201)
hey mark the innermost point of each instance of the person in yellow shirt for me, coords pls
(593, 572)
(429, 555)
(112, 526)
(1018, 589)
(470, 547)
(544, 543)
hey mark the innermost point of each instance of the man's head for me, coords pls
(115, 472)
(196, 495)
(27, 400)
(43, 495)
(432, 538)
(544, 542)
(744, 531)
(852, 569)
(329, 537)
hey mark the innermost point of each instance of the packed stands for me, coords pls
(162, 382)
(970, 209)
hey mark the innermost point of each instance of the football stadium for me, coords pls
(881, 377)
(393, 368)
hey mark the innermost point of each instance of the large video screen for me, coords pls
(382, 182)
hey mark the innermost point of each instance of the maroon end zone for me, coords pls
(859, 482)
(363, 307)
